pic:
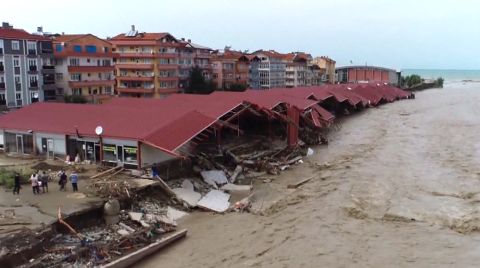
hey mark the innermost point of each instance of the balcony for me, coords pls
(48, 69)
(32, 68)
(2, 85)
(136, 78)
(33, 84)
(18, 87)
(136, 55)
(91, 83)
(32, 52)
(49, 79)
(90, 69)
(134, 66)
(136, 90)
(167, 66)
(16, 70)
(2, 69)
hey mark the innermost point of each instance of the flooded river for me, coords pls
(398, 186)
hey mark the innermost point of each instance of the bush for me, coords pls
(412, 80)
(439, 82)
(75, 99)
(7, 176)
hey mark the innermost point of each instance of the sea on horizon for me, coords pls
(448, 75)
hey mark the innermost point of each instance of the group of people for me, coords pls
(39, 182)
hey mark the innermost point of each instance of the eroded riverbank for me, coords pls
(400, 188)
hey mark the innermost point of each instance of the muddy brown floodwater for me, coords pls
(401, 189)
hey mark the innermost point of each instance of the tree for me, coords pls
(439, 82)
(75, 99)
(237, 87)
(412, 80)
(197, 83)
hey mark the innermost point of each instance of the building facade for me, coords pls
(230, 68)
(327, 67)
(253, 72)
(368, 74)
(193, 55)
(83, 66)
(148, 64)
(297, 73)
(271, 69)
(26, 70)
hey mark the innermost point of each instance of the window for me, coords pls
(59, 76)
(33, 80)
(58, 48)
(3, 101)
(34, 97)
(15, 45)
(75, 77)
(77, 91)
(18, 96)
(108, 90)
(105, 49)
(91, 49)
(74, 62)
(106, 62)
(32, 63)
(77, 48)
(16, 62)
(88, 60)
(99, 75)
(31, 46)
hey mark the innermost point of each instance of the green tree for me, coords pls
(75, 99)
(439, 82)
(197, 83)
(237, 87)
(412, 80)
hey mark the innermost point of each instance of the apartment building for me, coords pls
(229, 68)
(253, 72)
(83, 67)
(272, 69)
(327, 66)
(297, 72)
(148, 64)
(26, 70)
(193, 55)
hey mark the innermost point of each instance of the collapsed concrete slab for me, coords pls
(189, 196)
(216, 201)
(214, 177)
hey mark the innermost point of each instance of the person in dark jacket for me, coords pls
(16, 186)
(63, 181)
(45, 177)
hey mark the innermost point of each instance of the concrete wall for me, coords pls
(151, 155)
(59, 143)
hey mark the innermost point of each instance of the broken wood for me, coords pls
(236, 172)
(300, 183)
(105, 172)
(128, 260)
(115, 173)
(126, 227)
(165, 186)
(64, 223)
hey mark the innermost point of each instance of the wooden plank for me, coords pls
(300, 183)
(140, 254)
(105, 172)
(165, 186)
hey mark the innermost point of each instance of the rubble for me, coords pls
(216, 201)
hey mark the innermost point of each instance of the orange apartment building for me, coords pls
(230, 67)
(147, 64)
(327, 67)
(83, 66)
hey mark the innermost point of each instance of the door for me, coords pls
(20, 144)
(50, 149)
(120, 153)
(90, 151)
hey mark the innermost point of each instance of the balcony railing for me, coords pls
(16, 70)
(34, 84)
(32, 68)
(32, 52)
(18, 87)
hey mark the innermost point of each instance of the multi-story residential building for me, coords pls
(253, 72)
(272, 69)
(193, 55)
(83, 66)
(297, 73)
(327, 66)
(147, 64)
(26, 70)
(316, 75)
(230, 67)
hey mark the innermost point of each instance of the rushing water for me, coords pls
(397, 186)
(450, 76)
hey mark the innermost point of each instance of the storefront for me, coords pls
(20, 143)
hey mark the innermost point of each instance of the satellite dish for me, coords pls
(99, 130)
(35, 95)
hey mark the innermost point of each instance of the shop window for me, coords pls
(130, 154)
(110, 152)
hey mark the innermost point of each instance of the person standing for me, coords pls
(62, 181)
(16, 180)
(44, 179)
(74, 180)
(34, 181)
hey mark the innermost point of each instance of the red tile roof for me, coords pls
(7, 33)
(142, 36)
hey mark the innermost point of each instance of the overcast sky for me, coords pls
(398, 34)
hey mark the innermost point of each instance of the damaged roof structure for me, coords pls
(140, 132)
